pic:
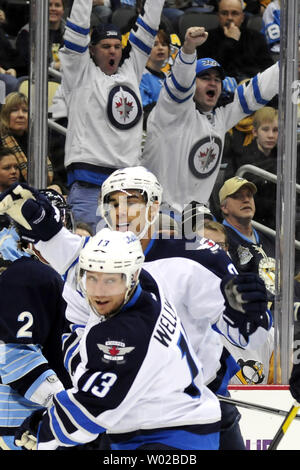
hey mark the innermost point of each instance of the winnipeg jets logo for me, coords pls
(114, 351)
(205, 156)
(124, 109)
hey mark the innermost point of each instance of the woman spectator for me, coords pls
(14, 131)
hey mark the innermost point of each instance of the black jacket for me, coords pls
(240, 59)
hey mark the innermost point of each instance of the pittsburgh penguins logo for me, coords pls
(251, 372)
(124, 109)
(205, 156)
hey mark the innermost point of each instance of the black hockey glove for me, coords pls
(295, 382)
(34, 215)
(26, 435)
(246, 302)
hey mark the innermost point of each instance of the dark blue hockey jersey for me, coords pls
(31, 324)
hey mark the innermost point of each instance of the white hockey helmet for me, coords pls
(138, 178)
(113, 252)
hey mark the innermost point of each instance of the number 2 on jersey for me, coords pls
(24, 331)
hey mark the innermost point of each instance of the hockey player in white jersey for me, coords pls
(186, 129)
(101, 90)
(138, 377)
(192, 278)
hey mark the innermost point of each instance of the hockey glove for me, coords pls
(33, 214)
(245, 302)
(26, 435)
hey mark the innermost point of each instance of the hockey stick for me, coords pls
(284, 426)
(252, 406)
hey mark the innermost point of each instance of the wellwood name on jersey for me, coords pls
(166, 325)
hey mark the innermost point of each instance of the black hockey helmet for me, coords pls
(57, 200)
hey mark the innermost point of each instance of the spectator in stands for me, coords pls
(153, 76)
(14, 131)
(10, 65)
(9, 169)
(186, 128)
(103, 98)
(262, 153)
(254, 7)
(243, 52)
(271, 27)
(56, 30)
(215, 231)
(251, 250)
(256, 366)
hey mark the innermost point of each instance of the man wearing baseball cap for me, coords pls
(232, 185)
(250, 249)
(101, 89)
(186, 128)
(203, 65)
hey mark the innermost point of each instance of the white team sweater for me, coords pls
(183, 146)
(105, 113)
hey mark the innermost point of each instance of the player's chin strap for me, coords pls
(148, 222)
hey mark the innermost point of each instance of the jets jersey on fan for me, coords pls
(31, 323)
(271, 25)
(197, 272)
(190, 141)
(105, 112)
(138, 379)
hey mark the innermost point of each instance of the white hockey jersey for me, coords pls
(255, 365)
(138, 379)
(193, 286)
(105, 112)
(183, 146)
(271, 25)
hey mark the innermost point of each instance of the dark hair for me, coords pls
(164, 37)
(5, 152)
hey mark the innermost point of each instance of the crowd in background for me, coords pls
(242, 50)
(233, 110)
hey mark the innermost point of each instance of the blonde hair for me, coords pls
(215, 227)
(12, 100)
(265, 114)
